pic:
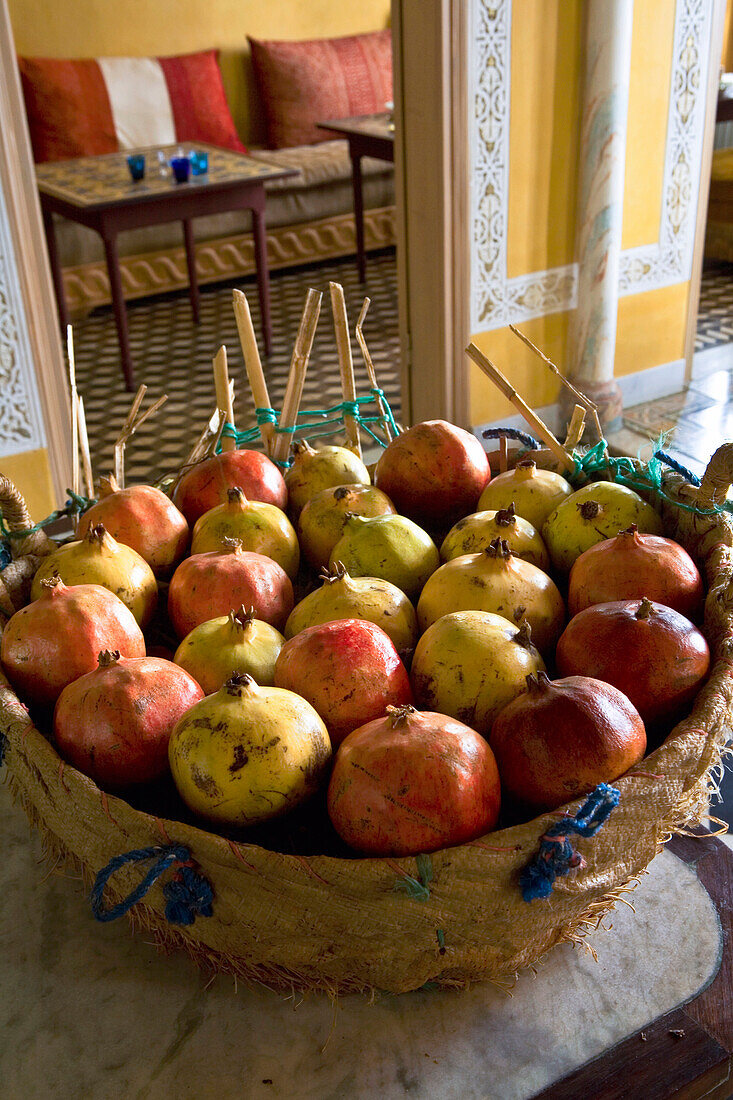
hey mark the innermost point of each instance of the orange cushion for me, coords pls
(303, 83)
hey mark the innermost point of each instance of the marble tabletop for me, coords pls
(93, 1011)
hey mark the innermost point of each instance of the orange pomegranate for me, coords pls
(348, 670)
(205, 484)
(656, 656)
(560, 738)
(434, 473)
(206, 586)
(413, 781)
(114, 723)
(632, 565)
(141, 517)
(57, 638)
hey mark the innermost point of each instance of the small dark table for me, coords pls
(368, 136)
(98, 192)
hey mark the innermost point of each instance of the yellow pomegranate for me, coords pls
(470, 664)
(535, 492)
(474, 533)
(370, 598)
(321, 523)
(391, 547)
(100, 559)
(498, 581)
(313, 471)
(596, 512)
(261, 528)
(237, 642)
(248, 753)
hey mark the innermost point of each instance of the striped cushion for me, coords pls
(79, 108)
(303, 83)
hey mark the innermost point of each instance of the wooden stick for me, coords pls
(370, 366)
(575, 428)
(538, 425)
(588, 405)
(503, 454)
(346, 363)
(224, 395)
(298, 368)
(86, 457)
(202, 446)
(74, 410)
(131, 425)
(253, 364)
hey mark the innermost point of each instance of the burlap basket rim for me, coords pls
(679, 774)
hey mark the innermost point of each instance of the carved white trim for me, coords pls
(497, 300)
(21, 419)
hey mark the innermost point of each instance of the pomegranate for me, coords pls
(206, 586)
(100, 559)
(635, 565)
(348, 670)
(592, 514)
(57, 638)
(391, 547)
(322, 521)
(114, 723)
(475, 532)
(560, 738)
(412, 782)
(141, 517)
(248, 753)
(434, 473)
(313, 471)
(370, 598)
(205, 484)
(534, 492)
(470, 664)
(496, 580)
(650, 652)
(261, 528)
(237, 642)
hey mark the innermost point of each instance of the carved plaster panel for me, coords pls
(497, 300)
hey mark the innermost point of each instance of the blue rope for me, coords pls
(678, 468)
(187, 896)
(512, 433)
(556, 855)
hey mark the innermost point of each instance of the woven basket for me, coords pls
(346, 924)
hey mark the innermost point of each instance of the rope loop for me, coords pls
(188, 895)
(556, 855)
(512, 433)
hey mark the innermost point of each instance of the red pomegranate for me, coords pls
(205, 485)
(632, 565)
(348, 670)
(413, 781)
(142, 517)
(57, 638)
(560, 738)
(433, 473)
(114, 724)
(650, 652)
(206, 586)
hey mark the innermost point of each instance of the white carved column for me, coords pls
(605, 97)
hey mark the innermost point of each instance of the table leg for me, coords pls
(109, 236)
(263, 272)
(56, 273)
(358, 215)
(193, 285)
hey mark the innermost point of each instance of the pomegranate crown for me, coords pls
(329, 576)
(238, 683)
(539, 682)
(241, 618)
(98, 533)
(108, 657)
(526, 464)
(589, 509)
(52, 582)
(397, 715)
(236, 495)
(498, 548)
(645, 609)
(342, 492)
(506, 517)
(523, 636)
(233, 545)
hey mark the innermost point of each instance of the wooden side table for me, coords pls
(97, 192)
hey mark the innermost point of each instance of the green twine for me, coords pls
(75, 505)
(417, 890)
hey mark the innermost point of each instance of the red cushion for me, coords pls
(303, 83)
(72, 112)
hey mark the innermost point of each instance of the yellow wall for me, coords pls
(543, 150)
(30, 472)
(143, 28)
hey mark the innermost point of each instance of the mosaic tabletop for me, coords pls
(379, 125)
(105, 179)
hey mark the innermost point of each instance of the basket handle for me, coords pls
(17, 518)
(717, 479)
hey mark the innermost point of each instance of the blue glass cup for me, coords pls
(136, 165)
(181, 168)
(199, 162)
